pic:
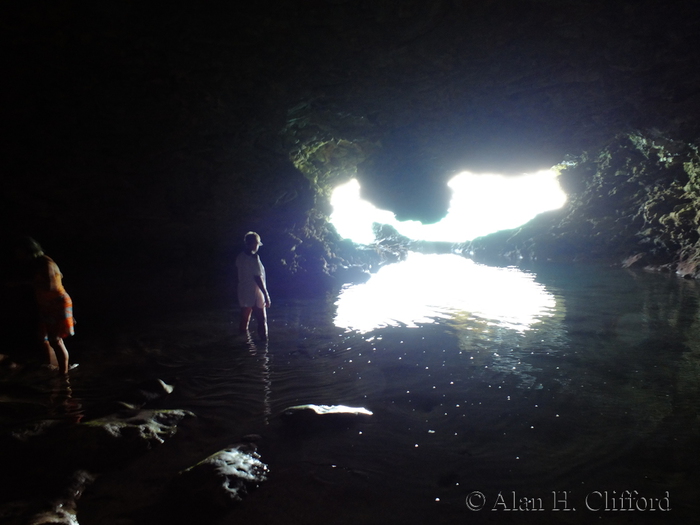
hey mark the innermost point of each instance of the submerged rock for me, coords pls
(223, 478)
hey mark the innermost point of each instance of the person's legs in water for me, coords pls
(57, 353)
(50, 354)
(61, 351)
(245, 319)
(261, 318)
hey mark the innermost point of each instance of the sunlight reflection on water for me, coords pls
(430, 288)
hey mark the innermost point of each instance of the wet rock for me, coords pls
(94, 445)
(391, 245)
(24, 513)
(45, 454)
(36, 429)
(59, 511)
(149, 390)
(109, 439)
(133, 399)
(689, 268)
(354, 274)
(304, 418)
(223, 478)
(327, 409)
(632, 261)
(8, 363)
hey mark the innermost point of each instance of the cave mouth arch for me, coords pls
(481, 204)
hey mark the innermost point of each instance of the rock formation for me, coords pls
(632, 203)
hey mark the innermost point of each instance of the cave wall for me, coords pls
(633, 203)
(427, 89)
(143, 141)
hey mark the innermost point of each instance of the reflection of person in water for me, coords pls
(54, 304)
(262, 355)
(252, 288)
(62, 404)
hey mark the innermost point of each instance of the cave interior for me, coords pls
(143, 140)
(150, 140)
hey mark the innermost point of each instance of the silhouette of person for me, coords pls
(55, 307)
(253, 296)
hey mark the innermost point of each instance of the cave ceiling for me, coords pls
(177, 100)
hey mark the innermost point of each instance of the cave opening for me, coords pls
(481, 203)
(413, 288)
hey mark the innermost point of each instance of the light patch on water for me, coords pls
(433, 288)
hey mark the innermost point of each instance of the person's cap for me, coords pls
(252, 235)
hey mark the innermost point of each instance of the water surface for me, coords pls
(504, 387)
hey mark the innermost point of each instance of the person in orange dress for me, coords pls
(55, 306)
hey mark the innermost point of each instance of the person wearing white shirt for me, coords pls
(253, 296)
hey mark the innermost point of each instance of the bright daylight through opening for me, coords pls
(481, 204)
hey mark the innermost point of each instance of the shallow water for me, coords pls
(545, 390)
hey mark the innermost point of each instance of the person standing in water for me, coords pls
(55, 306)
(253, 296)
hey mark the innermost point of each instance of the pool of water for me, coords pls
(497, 395)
